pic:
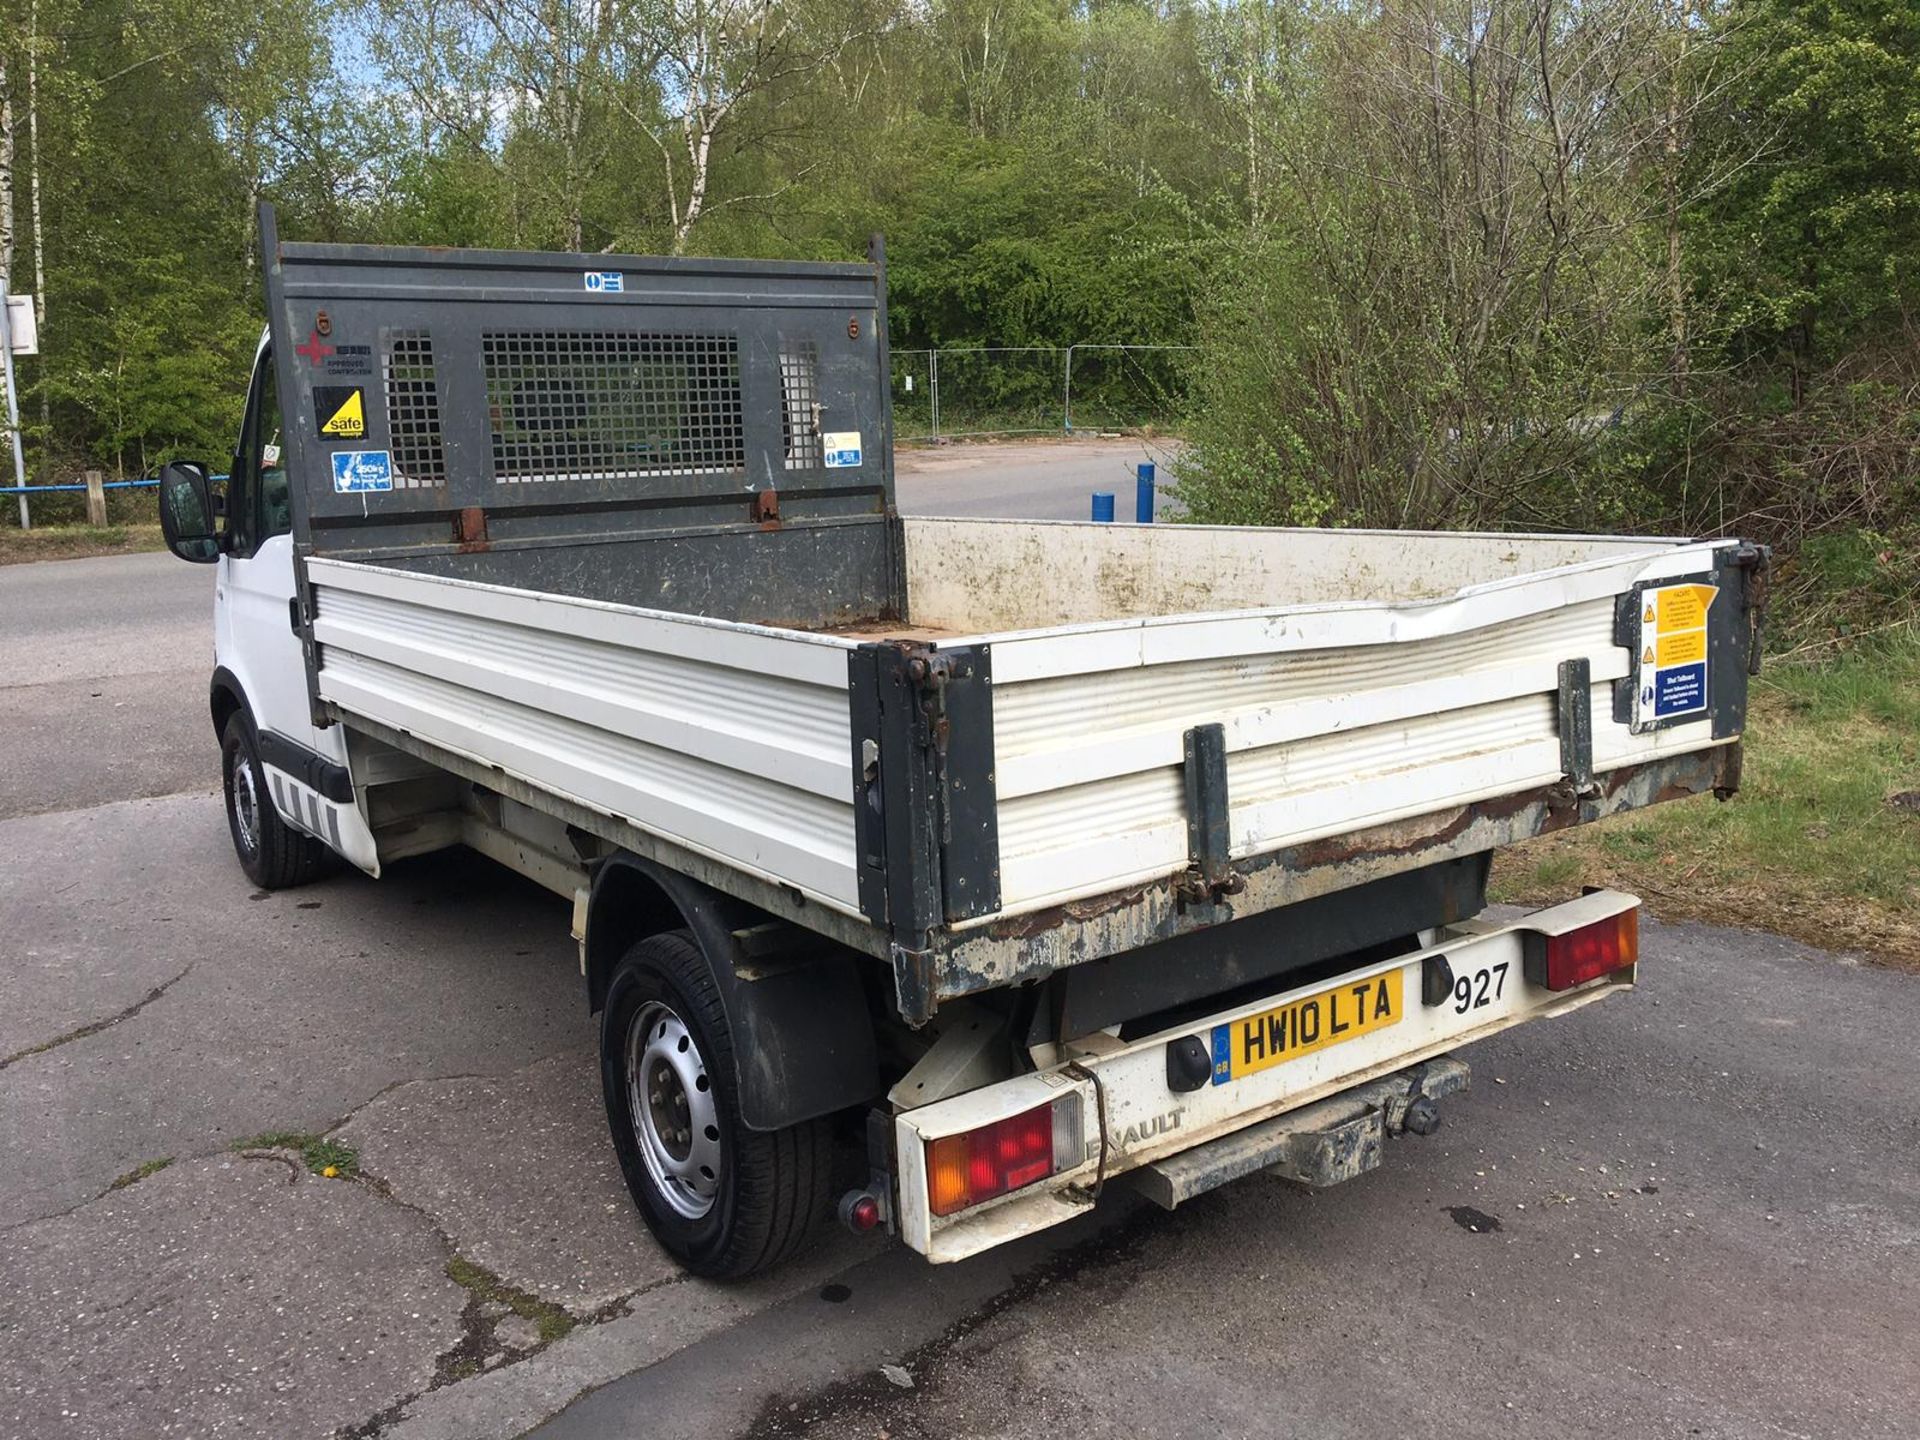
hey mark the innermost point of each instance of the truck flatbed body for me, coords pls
(632, 553)
(1360, 737)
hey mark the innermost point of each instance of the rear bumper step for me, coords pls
(1319, 1145)
(1299, 1063)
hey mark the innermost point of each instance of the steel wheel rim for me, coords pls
(676, 1123)
(246, 800)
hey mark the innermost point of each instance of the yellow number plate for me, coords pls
(1300, 1027)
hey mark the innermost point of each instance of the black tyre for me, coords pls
(723, 1200)
(273, 853)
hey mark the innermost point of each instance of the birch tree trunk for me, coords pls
(33, 164)
(6, 175)
(700, 158)
(1250, 83)
(6, 226)
(720, 54)
(39, 230)
(1670, 187)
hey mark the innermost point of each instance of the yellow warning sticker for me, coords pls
(1682, 649)
(345, 409)
(1672, 680)
(1683, 607)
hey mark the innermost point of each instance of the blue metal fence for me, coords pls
(81, 488)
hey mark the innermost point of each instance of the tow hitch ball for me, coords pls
(1422, 1117)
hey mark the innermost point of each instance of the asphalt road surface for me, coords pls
(1690, 1211)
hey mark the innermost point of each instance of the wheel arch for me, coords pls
(226, 697)
(803, 1038)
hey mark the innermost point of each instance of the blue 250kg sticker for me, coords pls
(356, 472)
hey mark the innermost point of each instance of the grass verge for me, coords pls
(1823, 841)
(75, 542)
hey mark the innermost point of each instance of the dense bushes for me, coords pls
(1619, 269)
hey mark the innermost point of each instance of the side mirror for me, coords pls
(186, 512)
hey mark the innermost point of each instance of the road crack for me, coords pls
(228, 1148)
(94, 1027)
(480, 1349)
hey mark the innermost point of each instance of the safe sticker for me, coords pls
(340, 411)
(843, 449)
(357, 472)
(1672, 681)
(605, 282)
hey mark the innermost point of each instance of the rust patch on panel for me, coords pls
(1023, 927)
(1023, 948)
(1401, 837)
(470, 530)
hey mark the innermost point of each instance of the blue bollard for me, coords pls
(1143, 492)
(1103, 506)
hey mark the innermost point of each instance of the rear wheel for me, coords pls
(273, 853)
(723, 1200)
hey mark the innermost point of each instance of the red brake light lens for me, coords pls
(967, 1169)
(1560, 962)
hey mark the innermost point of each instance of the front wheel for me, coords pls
(273, 853)
(725, 1201)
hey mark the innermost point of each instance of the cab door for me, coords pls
(256, 639)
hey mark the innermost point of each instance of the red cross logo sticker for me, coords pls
(314, 350)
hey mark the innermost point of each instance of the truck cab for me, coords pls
(289, 800)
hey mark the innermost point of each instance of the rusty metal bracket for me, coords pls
(470, 529)
(925, 824)
(1755, 564)
(1078, 1071)
(766, 506)
(1573, 713)
(914, 984)
(1731, 759)
(957, 692)
(1209, 873)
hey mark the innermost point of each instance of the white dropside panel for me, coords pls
(727, 739)
(1337, 717)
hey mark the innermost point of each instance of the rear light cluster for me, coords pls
(1560, 962)
(977, 1165)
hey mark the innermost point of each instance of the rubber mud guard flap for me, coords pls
(802, 1036)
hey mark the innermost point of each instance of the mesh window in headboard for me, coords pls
(413, 411)
(600, 405)
(800, 396)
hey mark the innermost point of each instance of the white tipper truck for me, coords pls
(943, 870)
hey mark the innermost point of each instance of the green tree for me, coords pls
(1435, 316)
(1812, 244)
